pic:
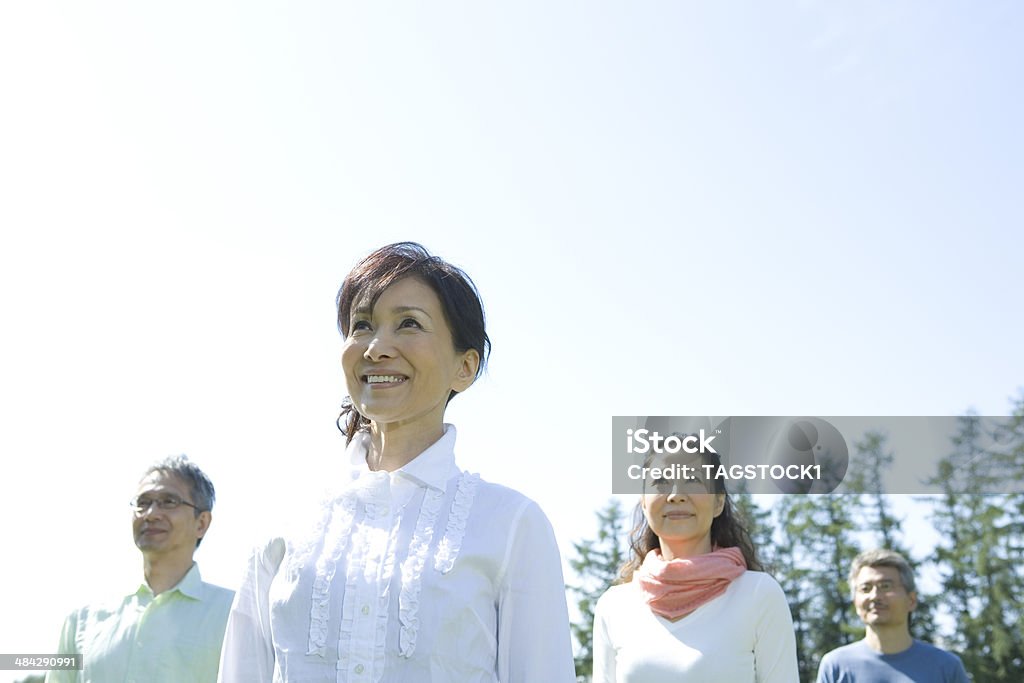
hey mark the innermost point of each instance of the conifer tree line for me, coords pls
(809, 541)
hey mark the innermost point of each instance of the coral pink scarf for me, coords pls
(675, 588)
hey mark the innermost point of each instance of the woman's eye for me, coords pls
(360, 325)
(409, 322)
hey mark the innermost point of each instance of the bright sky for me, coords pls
(670, 208)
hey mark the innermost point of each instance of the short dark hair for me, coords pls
(882, 557)
(460, 302)
(199, 485)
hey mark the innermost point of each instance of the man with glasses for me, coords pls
(884, 595)
(170, 629)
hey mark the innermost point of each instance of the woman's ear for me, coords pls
(465, 374)
(719, 503)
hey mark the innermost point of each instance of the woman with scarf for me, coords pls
(694, 604)
(412, 570)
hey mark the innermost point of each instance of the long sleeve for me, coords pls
(775, 643)
(533, 621)
(604, 653)
(248, 652)
(67, 646)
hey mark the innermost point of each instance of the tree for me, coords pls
(757, 523)
(981, 579)
(870, 459)
(791, 573)
(597, 564)
(822, 527)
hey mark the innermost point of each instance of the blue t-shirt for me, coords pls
(920, 663)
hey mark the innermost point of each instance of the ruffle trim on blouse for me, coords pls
(383, 601)
(412, 572)
(450, 545)
(334, 530)
(360, 549)
(338, 523)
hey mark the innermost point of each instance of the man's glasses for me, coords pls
(141, 504)
(882, 586)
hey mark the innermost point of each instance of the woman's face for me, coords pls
(680, 511)
(399, 360)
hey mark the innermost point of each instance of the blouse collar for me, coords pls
(433, 467)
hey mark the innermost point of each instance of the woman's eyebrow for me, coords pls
(367, 310)
(405, 309)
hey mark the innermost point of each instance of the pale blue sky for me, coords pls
(670, 208)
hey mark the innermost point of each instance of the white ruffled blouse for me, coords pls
(423, 574)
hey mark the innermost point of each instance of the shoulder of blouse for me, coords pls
(760, 582)
(763, 589)
(615, 595)
(500, 492)
(499, 506)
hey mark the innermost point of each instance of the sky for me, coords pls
(795, 208)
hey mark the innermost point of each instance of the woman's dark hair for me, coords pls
(728, 530)
(460, 301)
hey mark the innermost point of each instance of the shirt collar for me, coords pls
(191, 585)
(433, 467)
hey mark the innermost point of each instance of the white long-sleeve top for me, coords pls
(423, 574)
(744, 635)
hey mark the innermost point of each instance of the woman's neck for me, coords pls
(392, 447)
(684, 550)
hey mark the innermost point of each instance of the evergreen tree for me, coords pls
(757, 523)
(871, 458)
(865, 477)
(1002, 557)
(819, 531)
(981, 580)
(597, 563)
(791, 573)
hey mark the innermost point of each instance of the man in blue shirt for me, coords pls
(884, 595)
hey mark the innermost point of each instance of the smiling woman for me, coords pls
(694, 603)
(414, 570)
(401, 365)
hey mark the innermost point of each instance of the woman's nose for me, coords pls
(378, 348)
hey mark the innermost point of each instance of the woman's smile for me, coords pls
(384, 380)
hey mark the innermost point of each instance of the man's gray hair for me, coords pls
(200, 486)
(881, 557)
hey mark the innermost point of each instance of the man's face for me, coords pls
(167, 532)
(880, 598)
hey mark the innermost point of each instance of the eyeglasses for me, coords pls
(141, 505)
(882, 586)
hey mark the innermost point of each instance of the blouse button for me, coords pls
(365, 610)
(359, 668)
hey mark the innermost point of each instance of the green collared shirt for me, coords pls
(174, 637)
